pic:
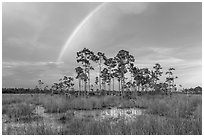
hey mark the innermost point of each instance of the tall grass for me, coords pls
(19, 112)
(144, 125)
(58, 104)
(178, 114)
(31, 129)
(11, 99)
(177, 106)
(8, 99)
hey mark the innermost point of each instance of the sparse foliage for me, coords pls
(170, 80)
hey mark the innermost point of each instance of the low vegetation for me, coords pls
(144, 125)
(19, 112)
(179, 114)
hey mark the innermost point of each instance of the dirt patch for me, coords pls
(128, 115)
(49, 120)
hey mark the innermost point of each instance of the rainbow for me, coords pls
(77, 29)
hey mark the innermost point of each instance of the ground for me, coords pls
(147, 114)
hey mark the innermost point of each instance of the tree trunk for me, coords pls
(109, 79)
(119, 85)
(85, 70)
(99, 78)
(82, 84)
(131, 82)
(109, 86)
(122, 87)
(138, 87)
(113, 84)
(89, 79)
(85, 85)
(79, 85)
(102, 85)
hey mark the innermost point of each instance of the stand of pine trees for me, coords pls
(118, 75)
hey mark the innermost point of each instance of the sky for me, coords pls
(40, 40)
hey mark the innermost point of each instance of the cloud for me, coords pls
(23, 63)
(104, 28)
(29, 72)
(34, 33)
(131, 8)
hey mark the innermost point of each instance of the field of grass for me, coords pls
(179, 114)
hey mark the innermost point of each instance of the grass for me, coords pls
(11, 99)
(19, 112)
(30, 129)
(177, 106)
(58, 104)
(178, 114)
(144, 125)
(197, 114)
(8, 99)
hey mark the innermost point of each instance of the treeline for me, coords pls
(24, 91)
(196, 90)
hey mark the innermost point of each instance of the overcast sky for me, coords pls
(35, 35)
